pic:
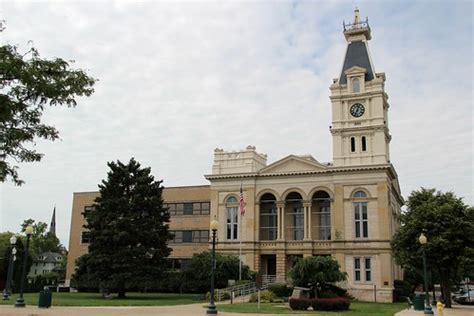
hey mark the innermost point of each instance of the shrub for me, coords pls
(330, 304)
(266, 296)
(339, 291)
(225, 295)
(327, 294)
(401, 291)
(300, 304)
(280, 289)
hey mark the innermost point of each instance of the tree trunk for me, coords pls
(121, 293)
(445, 285)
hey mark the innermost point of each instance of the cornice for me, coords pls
(329, 170)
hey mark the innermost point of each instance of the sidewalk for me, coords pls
(178, 310)
(456, 310)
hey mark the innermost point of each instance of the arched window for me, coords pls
(353, 144)
(294, 216)
(268, 217)
(355, 85)
(364, 143)
(360, 194)
(321, 216)
(232, 215)
(361, 218)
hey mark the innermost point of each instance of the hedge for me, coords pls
(320, 304)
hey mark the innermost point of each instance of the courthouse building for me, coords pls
(299, 206)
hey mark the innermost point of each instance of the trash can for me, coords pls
(419, 302)
(45, 298)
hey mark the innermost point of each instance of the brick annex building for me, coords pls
(298, 206)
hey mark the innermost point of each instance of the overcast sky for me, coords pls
(177, 80)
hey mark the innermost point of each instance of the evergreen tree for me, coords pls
(448, 223)
(128, 230)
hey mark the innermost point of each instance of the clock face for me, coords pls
(357, 110)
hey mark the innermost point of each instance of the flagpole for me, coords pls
(240, 249)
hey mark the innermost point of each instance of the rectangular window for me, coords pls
(188, 209)
(364, 143)
(187, 236)
(362, 268)
(361, 220)
(179, 208)
(232, 223)
(205, 207)
(200, 236)
(85, 237)
(357, 269)
(87, 210)
(368, 275)
(353, 144)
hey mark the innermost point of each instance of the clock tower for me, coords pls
(359, 104)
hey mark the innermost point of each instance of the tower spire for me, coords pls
(52, 226)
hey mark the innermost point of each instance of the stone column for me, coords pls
(281, 264)
(307, 220)
(281, 220)
(257, 222)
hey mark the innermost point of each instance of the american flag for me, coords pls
(241, 202)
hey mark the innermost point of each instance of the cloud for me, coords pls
(180, 79)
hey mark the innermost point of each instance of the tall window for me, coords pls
(355, 85)
(232, 215)
(360, 216)
(364, 143)
(362, 269)
(268, 217)
(353, 144)
(321, 216)
(295, 214)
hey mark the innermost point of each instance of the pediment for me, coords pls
(293, 163)
(355, 70)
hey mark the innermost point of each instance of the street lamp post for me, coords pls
(423, 240)
(212, 309)
(20, 302)
(7, 291)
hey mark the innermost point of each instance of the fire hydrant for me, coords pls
(440, 307)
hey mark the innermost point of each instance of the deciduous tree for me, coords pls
(316, 272)
(28, 83)
(128, 230)
(448, 223)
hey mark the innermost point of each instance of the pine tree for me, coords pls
(128, 230)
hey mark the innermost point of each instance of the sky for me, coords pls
(179, 79)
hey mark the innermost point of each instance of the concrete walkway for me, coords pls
(456, 310)
(180, 310)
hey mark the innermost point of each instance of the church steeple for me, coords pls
(52, 226)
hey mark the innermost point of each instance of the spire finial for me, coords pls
(356, 23)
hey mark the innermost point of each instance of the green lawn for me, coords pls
(95, 299)
(356, 309)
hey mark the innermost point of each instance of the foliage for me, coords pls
(196, 277)
(280, 289)
(300, 304)
(225, 295)
(129, 232)
(316, 272)
(28, 83)
(266, 296)
(328, 289)
(41, 239)
(448, 223)
(330, 304)
(5, 252)
(402, 290)
(19, 262)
